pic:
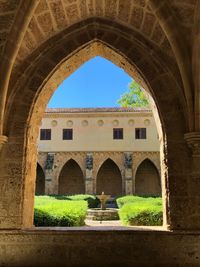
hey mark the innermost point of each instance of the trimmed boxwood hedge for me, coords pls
(53, 212)
(135, 210)
(138, 201)
(92, 200)
(141, 215)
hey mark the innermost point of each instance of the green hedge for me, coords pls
(92, 200)
(143, 214)
(138, 201)
(53, 212)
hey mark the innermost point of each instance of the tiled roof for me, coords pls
(92, 110)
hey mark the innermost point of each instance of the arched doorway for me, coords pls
(147, 179)
(71, 179)
(109, 179)
(40, 181)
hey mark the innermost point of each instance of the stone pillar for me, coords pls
(48, 182)
(89, 181)
(49, 174)
(193, 141)
(183, 184)
(128, 173)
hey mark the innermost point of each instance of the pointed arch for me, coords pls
(109, 179)
(71, 179)
(147, 179)
(40, 181)
(64, 53)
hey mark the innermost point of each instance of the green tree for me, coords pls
(135, 97)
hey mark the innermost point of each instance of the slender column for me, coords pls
(49, 174)
(128, 173)
(89, 181)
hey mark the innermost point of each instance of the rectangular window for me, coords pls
(118, 133)
(45, 134)
(67, 134)
(140, 133)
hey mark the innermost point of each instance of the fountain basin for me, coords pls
(98, 214)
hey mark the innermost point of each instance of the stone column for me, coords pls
(89, 181)
(183, 185)
(48, 182)
(193, 141)
(128, 173)
(49, 174)
(128, 181)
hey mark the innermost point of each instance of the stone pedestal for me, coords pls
(89, 182)
(128, 175)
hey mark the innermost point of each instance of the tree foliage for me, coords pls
(135, 97)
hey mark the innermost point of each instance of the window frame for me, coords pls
(65, 138)
(45, 134)
(142, 134)
(118, 135)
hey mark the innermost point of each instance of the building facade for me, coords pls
(94, 150)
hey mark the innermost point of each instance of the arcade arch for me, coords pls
(109, 179)
(147, 179)
(71, 179)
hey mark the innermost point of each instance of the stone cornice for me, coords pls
(97, 115)
(104, 152)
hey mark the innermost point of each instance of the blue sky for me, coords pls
(97, 83)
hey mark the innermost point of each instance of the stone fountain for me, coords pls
(103, 213)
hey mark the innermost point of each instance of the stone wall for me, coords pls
(94, 247)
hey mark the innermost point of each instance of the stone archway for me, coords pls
(109, 179)
(68, 50)
(71, 180)
(40, 181)
(147, 179)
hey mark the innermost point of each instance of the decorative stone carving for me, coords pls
(131, 122)
(147, 122)
(50, 161)
(100, 122)
(89, 162)
(70, 123)
(193, 142)
(54, 123)
(84, 123)
(115, 123)
(128, 161)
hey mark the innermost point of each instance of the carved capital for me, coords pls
(193, 141)
(3, 140)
